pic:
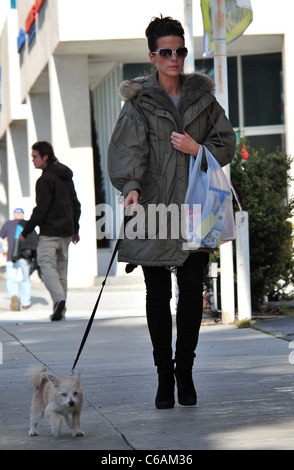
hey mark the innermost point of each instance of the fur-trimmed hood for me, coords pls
(196, 84)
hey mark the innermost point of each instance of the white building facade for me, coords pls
(61, 62)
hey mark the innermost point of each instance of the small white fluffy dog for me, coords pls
(55, 397)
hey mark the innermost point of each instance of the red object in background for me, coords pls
(31, 18)
(39, 4)
(244, 153)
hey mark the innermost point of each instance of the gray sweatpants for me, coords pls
(52, 257)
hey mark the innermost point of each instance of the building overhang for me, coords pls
(105, 54)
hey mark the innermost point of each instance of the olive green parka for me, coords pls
(141, 156)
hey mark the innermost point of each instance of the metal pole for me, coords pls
(189, 39)
(221, 83)
(213, 274)
(243, 266)
(188, 68)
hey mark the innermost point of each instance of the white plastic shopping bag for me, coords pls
(209, 219)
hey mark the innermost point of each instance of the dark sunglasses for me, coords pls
(166, 53)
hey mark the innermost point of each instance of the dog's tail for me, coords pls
(36, 373)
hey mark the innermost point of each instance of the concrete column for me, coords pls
(189, 66)
(17, 109)
(38, 128)
(3, 184)
(17, 168)
(243, 265)
(288, 73)
(71, 139)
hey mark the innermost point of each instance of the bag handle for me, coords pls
(228, 179)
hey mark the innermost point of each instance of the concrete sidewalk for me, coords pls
(244, 380)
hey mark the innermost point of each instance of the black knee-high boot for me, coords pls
(165, 397)
(189, 315)
(187, 395)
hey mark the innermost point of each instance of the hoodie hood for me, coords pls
(60, 170)
(197, 91)
(196, 88)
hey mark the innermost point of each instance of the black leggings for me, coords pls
(190, 278)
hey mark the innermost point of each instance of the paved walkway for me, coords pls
(244, 380)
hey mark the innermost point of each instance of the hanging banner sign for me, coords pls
(238, 14)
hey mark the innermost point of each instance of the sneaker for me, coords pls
(58, 311)
(14, 303)
(25, 307)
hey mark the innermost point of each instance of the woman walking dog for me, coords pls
(166, 117)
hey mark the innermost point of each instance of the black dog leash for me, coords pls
(126, 219)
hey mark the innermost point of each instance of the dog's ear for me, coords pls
(54, 380)
(79, 377)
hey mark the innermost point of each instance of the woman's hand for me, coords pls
(184, 143)
(131, 200)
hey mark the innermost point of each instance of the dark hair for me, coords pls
(160, 27)
(44, 148)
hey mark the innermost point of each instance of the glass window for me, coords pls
(267, 142)
(137, 70)
(233, 91)
(262, 89)
(207, 66)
